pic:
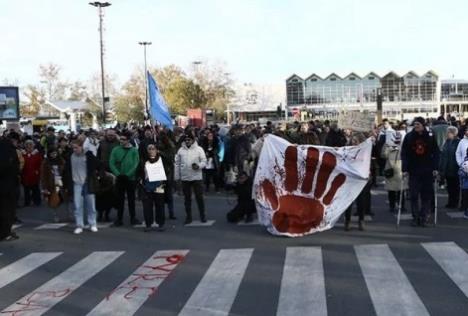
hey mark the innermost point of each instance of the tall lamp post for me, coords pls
(144, 44)
(101, 5)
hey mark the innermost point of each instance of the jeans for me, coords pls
(82, 200)
(34, 192)
(197, 187)
(421, 192)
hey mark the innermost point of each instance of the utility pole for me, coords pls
(144, 44)
(101, 5)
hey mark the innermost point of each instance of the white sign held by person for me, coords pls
(356, 121)
(300, 190)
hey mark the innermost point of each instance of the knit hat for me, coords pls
(419, 120)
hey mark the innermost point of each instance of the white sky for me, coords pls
(262, 41)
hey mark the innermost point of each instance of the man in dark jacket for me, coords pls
(106, 147)
(420, 161)
(9, 170)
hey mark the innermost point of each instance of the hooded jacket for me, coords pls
(185, 157)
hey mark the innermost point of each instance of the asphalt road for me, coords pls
(227, 269)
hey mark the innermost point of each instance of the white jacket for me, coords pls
(184, 159)
(461, 150)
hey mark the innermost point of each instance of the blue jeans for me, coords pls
(82, 199)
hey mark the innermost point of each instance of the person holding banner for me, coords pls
(152, 180)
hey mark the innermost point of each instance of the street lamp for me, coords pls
(144, 44)
(101, 5)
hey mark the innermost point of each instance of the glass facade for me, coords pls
(356, 89)
(454, 90)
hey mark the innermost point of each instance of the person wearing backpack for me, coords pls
(123, 162)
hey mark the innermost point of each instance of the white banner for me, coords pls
(300, 190)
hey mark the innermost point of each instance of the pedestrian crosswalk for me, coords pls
(302, 285)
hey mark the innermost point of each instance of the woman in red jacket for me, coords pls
(31, 174)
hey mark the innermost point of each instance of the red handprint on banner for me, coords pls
(298, 211)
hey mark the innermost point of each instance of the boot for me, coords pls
(203, 217)
(347, 225)
(361, 225)
(188, 220)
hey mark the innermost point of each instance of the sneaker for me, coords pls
(78, 231)
(94, 229)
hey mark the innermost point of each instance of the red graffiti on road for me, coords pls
(36, 301)
(148, 273)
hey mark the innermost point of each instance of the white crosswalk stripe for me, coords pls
(218, 288)
(389, 288)
(303, 273)
(25, 265)
(46, 296)
(128, 297)
(452, 259)
(51, 226)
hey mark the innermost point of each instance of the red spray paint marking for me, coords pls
(326, 168)
(161, 271)
(290, 165)
(34, 302)
(311, 166)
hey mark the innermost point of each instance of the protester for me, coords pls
(153, 190)
(167, 152)
(449, 167)
(420, 161)
(189, 163)
(245, 207)
(211, 171)
(9, 170)
(80, 174)
(106, 146)
(52, 169)
(106, 196)
(123, 162)
(49, 139)
(463, 173)
(31, 174)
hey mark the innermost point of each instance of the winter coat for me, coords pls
(105, 150)
(9, 167)
(124, 161)
(461, 150)
(463, 177)
(394, 162)
(448, 165)
(335, 138)
(419, 153)
(32, 167)
(92, 171)
(47, 174)
(211, 151)
(184, 159)
(240, 150)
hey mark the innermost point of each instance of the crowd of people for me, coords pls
(98, 171)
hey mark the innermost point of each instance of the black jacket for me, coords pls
(9, 167)
(419, 153)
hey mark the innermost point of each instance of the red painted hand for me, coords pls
(296, 213)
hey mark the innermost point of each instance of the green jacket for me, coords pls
(129, 164)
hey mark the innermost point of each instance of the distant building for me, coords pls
(454, 96)
(403, 96)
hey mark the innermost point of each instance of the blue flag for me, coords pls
(158, 107)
